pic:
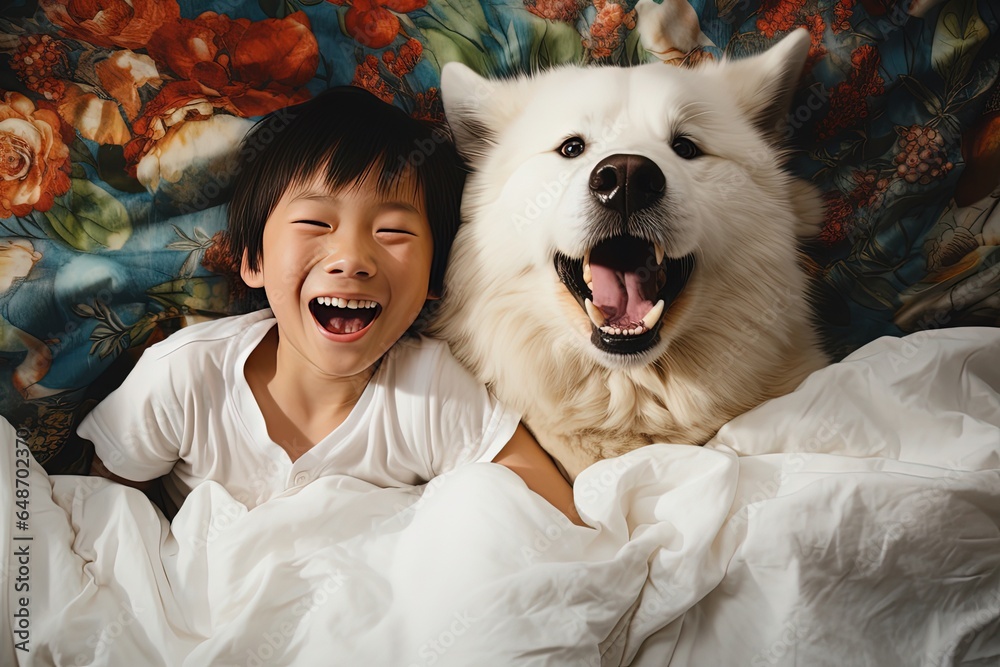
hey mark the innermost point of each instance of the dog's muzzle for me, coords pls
(625, 283)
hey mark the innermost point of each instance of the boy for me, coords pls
(344, 216)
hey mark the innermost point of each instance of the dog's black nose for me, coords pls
(627, 183)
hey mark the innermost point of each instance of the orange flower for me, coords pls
(429, 106)
(110, 23)
(34, 159)
(403, 63)
(371, 23)
(838, 219)
(606, 31)
(554, 10)
(842, 13)
(366, 75)
(39, 61)
(247, 68)
(178, 101)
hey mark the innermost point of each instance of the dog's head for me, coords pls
(635, 187)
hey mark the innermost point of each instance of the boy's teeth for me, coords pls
(345, 303)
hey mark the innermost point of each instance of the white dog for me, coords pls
(628, 269)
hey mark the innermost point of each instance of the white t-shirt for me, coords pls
(187, 410)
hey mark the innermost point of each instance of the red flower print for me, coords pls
(842, 12)
(429, 106)
(39, 61)
(921, 158)
(366, 75)
(870, 188)
(34, 158)
(554, 10)
(402, 63)
(111, 23)
(848, 99)
(247, 68)
(838, 219)
(608, 28)
(779, 16)
(371, 23)
(817, 51)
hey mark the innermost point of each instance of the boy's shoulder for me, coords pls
(420, 362)
(218, 333)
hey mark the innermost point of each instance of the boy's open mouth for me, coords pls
(342, 316)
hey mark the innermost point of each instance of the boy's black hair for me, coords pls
(348, 133)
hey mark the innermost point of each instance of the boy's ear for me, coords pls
(253, 279)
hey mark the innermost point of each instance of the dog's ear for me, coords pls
(764, 85)
(476, 108)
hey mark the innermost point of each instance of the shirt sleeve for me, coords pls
(466, 423)
(135, 430)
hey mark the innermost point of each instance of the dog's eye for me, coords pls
(572, 147)
(685, 148)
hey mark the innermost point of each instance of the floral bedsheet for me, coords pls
(118, 120)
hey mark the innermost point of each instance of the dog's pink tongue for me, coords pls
(619, 295)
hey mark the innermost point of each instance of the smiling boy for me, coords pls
(332, 379)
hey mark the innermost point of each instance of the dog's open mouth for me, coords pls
(625, 285)
(340, 316)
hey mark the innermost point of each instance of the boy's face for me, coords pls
(353, 247)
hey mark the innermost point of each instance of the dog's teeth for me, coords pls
(596, 316)
(659, 253)
(587, 278)
(653, 316)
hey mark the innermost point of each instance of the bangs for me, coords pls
(345, 167)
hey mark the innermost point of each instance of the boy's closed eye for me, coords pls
(315, 223)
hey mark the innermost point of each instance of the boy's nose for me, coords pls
(350, 259)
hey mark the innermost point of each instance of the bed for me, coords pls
(853, 522)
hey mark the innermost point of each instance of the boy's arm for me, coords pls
(524, 456)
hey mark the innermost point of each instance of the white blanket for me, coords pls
(855, 521)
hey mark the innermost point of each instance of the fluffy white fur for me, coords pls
(739, 333)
